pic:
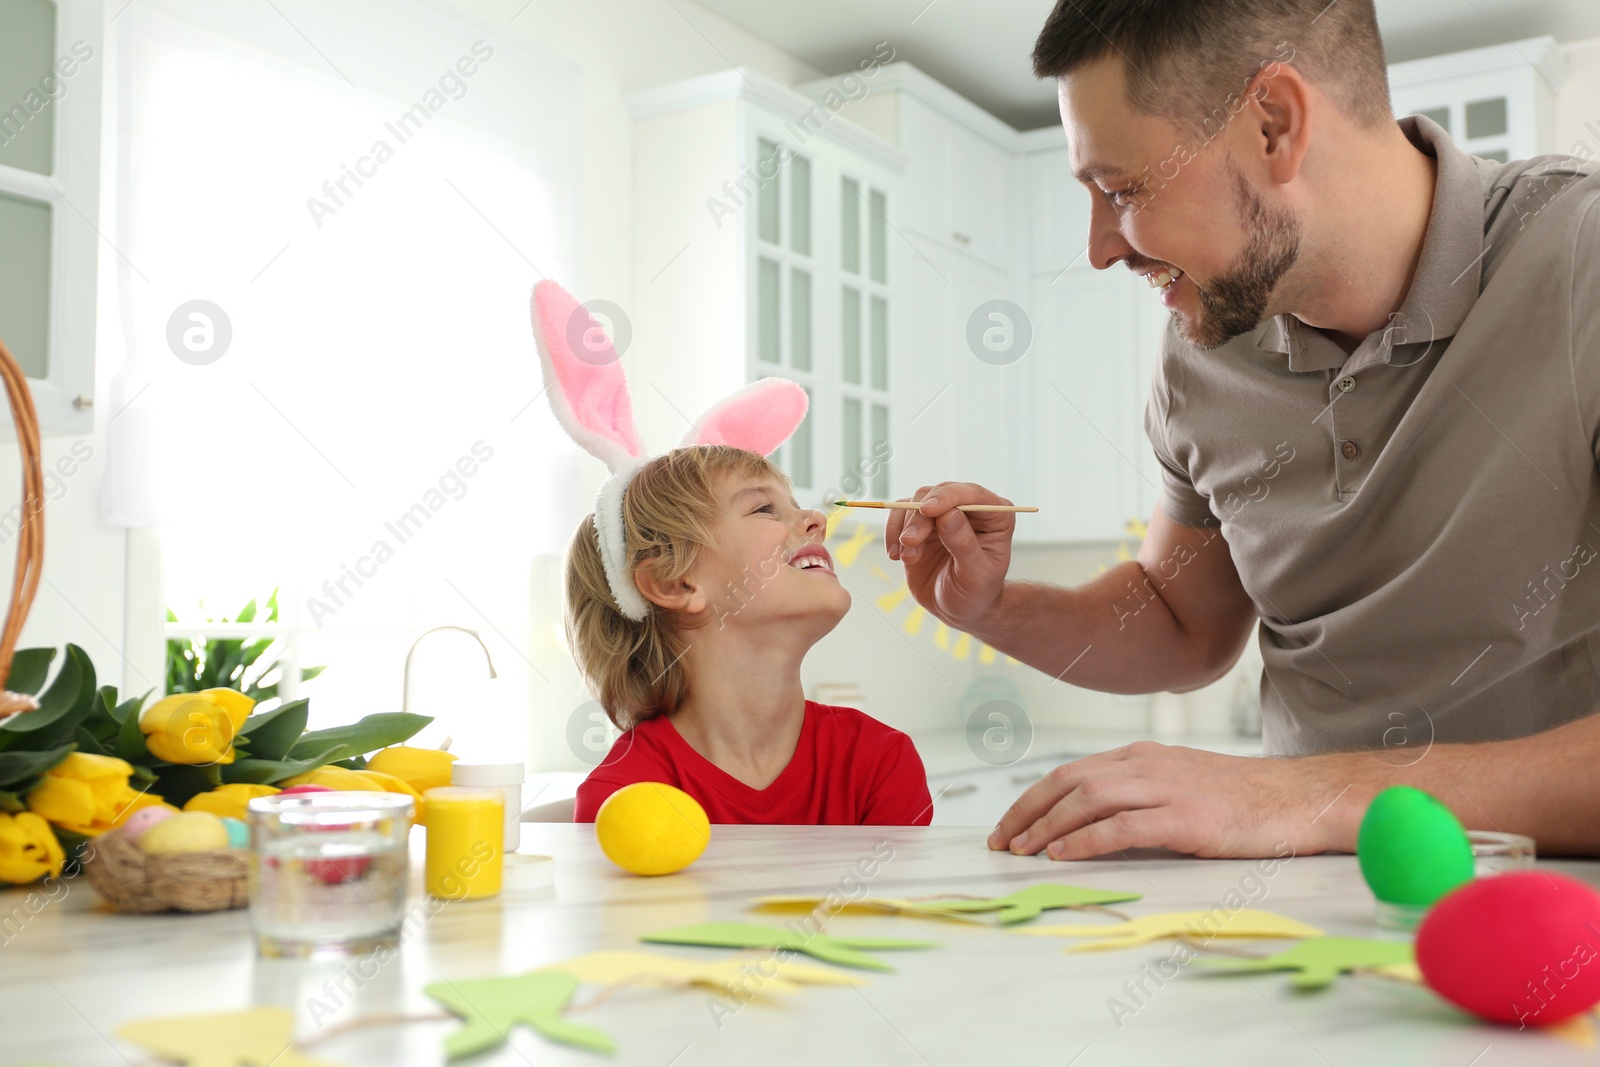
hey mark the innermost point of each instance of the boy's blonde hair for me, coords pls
(635, 669)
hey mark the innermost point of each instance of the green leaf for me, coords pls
(247, 613)
(60, 699)
(130, 742)
(11, 802)
(77, 847)
(266, 771)
(270, 735)
(355, 763)
(131, 706)
(371, 733)
(16, 766)
(29, 668)
(94, 743)
(176, 783)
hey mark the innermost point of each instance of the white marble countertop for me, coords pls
(72, 972)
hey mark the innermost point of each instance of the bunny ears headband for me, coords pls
(589, 395)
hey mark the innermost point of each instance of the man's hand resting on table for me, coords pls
(1149, 795)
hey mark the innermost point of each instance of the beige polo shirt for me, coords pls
(1417, 521)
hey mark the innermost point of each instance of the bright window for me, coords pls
(371, 439)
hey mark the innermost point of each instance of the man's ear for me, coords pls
(1279, 107)
(684, 596)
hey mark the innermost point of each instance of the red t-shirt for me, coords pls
(848, 769)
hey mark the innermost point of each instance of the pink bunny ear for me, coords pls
(758, 418)
(583, 375)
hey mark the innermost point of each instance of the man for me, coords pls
(1377, 414)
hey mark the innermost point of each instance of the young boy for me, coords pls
(706, 686)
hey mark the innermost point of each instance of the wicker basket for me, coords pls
(30, 535)
(129, 880)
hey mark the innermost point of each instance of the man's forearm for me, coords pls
(1114, 634)
(1543, 786)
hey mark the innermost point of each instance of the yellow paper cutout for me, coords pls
(834, 518)
(1200, 925)
(256, 1037)
(748, 974)
(985, 654)
(1404, 972)
(891, 600)
(866, 906)
(881, 574)
(913, 623)
(1578, 1030)
(963, 646)
(941, 636)
(845, 554)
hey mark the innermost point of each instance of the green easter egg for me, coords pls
(1412, 848)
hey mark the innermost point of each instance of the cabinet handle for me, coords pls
(960, 238)
(960, 790)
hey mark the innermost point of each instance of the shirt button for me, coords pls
(1349, 450)
(1346, 384)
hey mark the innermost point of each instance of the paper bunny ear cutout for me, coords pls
(589, 396)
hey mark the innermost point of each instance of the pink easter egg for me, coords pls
(1521, 947)
(136, 824)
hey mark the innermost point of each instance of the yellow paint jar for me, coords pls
(465, 853)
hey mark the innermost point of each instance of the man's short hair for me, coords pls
(1183, 58)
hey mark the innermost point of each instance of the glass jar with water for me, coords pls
(328, 872)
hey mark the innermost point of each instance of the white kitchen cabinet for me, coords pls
(1086, 384)
(1057, 206)
(1496, 102)
(763, 228)
(50, 126)
(962, 180)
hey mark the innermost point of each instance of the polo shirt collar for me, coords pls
(1448, 273)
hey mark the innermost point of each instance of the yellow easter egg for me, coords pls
(650, 828)
(187, 831)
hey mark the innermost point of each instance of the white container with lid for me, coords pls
(506, 777)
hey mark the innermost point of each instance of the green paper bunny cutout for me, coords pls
(1320, 960)
(491, 1007)
(845, 951)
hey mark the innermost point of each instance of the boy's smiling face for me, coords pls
(766, 562)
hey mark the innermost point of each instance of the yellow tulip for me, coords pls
(343, 778)
(195, 728)
(229, 800)
(88, 794)
(420, 768)
(28, 849)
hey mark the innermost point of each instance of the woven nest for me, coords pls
(213, 880)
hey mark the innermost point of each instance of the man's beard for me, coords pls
(1235, 302)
